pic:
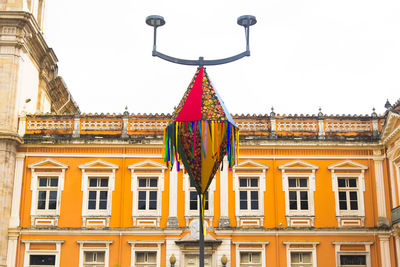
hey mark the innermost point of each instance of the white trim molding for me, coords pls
(299, 169)
(156, 249)
(301, 246)
(250, 246)
(349, 169)
(250, 169)
(29, 251)
(93, 245)
(97, 169)
(147, 169)
(17, 186)
(46, 168)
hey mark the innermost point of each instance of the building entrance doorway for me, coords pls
(192, 260)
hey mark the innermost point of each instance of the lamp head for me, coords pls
(172, 259)
(246, 20)
(155, 21)
(224, 259)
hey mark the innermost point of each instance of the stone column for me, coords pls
(172, 221)
(12, 248)
(380, 191)
(7, 165)
(224, 220)
(385, 250)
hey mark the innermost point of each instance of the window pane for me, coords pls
(243, 182)
(92, 200)
(153, 182)
(295, 257)
(42, 200)
(53, 200)
(353, 260)
(103, 200)
(142, 182)
(89, 256)
(54, 182)
(254, 182)
(243, 200)
(353, 195)
(140, 257)
(153, 195)
(193, 200)
(352, 183)
(93, 182)
(353, 205)
(342, 196)
(292, 182)
(303, 182)
(42, 181)
(303, 195)
(244, 257)
(256, 257)
(306, 257)
(152, 205)
(100, 257)
(342, 182)
(293, 205)
(142, 200)
(191, 183)
(292, 195)
(42, 260)
(104, 182)
(342, 205)
(254, 204)
(151, 257)
(304, 205)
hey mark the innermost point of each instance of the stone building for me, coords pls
(93, 190)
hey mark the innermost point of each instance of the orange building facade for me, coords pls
(93, 190)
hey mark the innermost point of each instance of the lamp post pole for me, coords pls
(156, 21)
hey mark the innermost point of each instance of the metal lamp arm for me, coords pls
(245, 21)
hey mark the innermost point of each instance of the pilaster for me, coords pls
(380, 190)
(385, 250)
(224, 220)
(172, 221)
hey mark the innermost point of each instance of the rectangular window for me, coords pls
(47, 193)
(348, 194)
(301, 259)
(298, 194)
(146, 259)
(42, 260)
(248, 193)
(98, 193)
(94, 259)
(147, 193)
(250, 259)
(194, 198)
(353, 260)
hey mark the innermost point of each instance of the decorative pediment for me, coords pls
(347, 165)
(147, 165)
(298, 165)
(98, 164)
(251, 165)
(48, 164)
(391, 128)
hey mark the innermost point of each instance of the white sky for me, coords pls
(342, 55)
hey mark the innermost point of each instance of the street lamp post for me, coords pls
(156, 21)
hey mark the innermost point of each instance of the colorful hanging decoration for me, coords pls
(200, 133)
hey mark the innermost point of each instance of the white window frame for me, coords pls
(195, 213)
(261, 249)
(83, 249)
(250, 169)
(92, 170)
(299, 169)
(345, 167)
(312, 248)
(41, 169)
(135, 249)
(141, 169)
(367, 251)
(29, 252)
